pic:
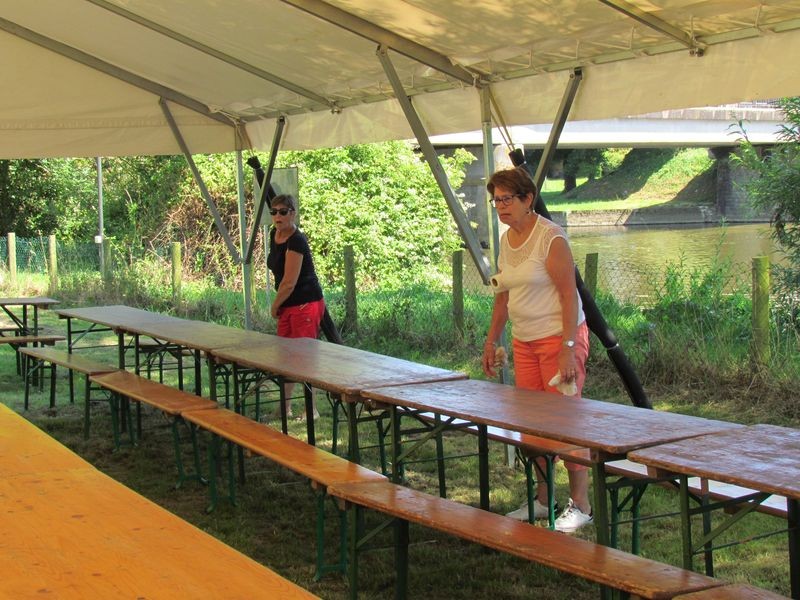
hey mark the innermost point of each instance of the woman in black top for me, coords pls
(298, 305)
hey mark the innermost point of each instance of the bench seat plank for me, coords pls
(74, 362)
(163, 397)
(606, 566)
(31, 339)
(309, 461)
(738, 591)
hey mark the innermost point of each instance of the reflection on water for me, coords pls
(632, 259)
(653, 247)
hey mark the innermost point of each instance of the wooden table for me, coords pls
(69, 531)
(608, 430)
(760, 457)
(21, 322)
(337, 369)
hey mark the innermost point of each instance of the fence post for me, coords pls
(760, 349)
(52, 262)
(176, 273)
(458, 291)
(590, 273)
(105, 264)
(350, 309)
(12, 258)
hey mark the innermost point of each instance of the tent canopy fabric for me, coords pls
(84, 77)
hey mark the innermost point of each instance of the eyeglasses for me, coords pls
(282, 211)
(504, 200)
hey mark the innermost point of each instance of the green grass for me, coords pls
(645, 178)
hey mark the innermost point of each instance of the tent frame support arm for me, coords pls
(428, 151)
(262, 197)
(383, 37)
(95, 63)
(223, 230)
(226, 58)
(555, 131)
(653, 22)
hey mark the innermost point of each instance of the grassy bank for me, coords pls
(690, 351)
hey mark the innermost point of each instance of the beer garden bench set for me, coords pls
(629, 447)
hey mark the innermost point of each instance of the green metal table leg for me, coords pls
(483, 465)
(708, 554)
(440, 459)
(87, 400)
(353, 451)
(308, 395)
(686, 523)
(793, 518)
(397, 467)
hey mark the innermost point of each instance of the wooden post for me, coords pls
(176, 273)
(458, 291)
(12, 258)
(760, 350)
(350, 308)
(105, 264)
(590, 273)
(52, 262)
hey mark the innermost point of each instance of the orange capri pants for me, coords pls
(536, 363)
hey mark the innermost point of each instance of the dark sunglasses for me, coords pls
(283, 211)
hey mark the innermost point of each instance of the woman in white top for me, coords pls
(535, 288)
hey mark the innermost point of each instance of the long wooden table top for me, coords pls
(39, 301)
(75, 533)
(198, 335)
(612, 429)
(332, 367)
(762, 457)
(115, 316)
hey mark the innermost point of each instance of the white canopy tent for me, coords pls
(84, 77)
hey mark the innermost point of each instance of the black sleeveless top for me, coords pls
(307, 288)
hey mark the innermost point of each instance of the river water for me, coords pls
(633, 259)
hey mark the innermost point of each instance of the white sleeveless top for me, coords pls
(533, 304)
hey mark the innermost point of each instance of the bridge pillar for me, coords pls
(732, 200)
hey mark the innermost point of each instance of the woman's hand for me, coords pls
(567, 364)
(274, 309)
(488, 360)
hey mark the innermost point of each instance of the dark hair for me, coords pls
(516, 180)
(286, 200)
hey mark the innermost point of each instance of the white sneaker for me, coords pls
(572, 519)
(521, 514)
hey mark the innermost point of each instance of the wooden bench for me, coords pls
(36, 359)
(600, 564)
(169, 400)
(321, 468)
(739, 591)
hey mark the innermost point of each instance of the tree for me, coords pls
(777, 188)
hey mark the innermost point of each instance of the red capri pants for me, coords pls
(536, 363)
(301, 321)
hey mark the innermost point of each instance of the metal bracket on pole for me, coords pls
(223, 230)
(428, 151)
(262, 199)
(555, 132)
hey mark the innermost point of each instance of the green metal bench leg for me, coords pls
(686, 523)
(401, 558)
(708, 555)
(793, 518)
(352, 566)
(353, 451)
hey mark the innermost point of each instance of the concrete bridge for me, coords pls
(717, 128)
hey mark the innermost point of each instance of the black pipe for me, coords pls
(329, 329)
(594, 318)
